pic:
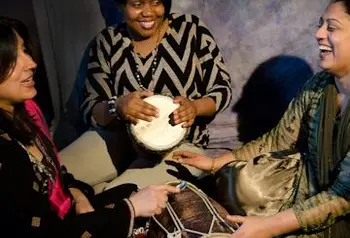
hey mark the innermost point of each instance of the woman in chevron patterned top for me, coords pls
(316, 124)
(156, 52)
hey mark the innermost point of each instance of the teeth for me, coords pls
(147, 24)
(27, 80)
(325, 48)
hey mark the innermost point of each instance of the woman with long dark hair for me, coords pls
(39, 198)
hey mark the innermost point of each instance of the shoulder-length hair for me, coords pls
(19, 126)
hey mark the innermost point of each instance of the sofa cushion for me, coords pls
(88, 159)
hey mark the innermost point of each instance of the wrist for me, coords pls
(77, 195)
(270, 221)
(222, 160)
(282, 223)
(113, 107)
(196, 106)
(131, 207)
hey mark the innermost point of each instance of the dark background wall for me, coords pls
(23, 10)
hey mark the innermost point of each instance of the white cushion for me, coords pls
(87, 158)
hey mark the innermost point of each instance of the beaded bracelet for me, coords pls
(112, 107)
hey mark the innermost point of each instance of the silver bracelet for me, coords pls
(112, 107)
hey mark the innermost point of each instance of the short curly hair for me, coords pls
(166, 3)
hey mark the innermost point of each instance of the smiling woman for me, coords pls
(16, 81)
(316, 125)
(333, 36)
(19, 84)
(155, 52)
(39, 198)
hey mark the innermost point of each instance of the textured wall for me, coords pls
(250, 32)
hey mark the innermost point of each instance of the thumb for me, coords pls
(185, 154)
(236, 219)
(178, 99)
(143, 94)
(171, 189)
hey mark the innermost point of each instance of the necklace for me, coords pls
(50, 169)
(154, 63)
(153, 67)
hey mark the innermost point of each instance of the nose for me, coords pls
(30, 63)
(321, 33)
(147, 10)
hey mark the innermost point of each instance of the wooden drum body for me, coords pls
(191, 214)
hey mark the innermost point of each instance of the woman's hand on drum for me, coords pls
(186, 113)
(151, 200)
(133, 108)
(252, 227)
(198, 161)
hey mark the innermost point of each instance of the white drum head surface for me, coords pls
(159, 134)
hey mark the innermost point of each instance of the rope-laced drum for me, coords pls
(158, 136)
(191, 214)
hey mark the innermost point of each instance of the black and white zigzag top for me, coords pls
(188, 63)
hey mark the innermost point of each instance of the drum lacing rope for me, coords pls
(181, 228)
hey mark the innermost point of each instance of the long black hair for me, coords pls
(166, 3)
(19, 126)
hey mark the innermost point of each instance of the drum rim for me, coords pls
(217, 235)
(184, 132)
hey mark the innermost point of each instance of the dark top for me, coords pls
(25, 210)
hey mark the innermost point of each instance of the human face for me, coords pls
(144, 17)
(333, 37)
(19, 84)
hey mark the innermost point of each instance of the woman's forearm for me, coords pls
(101, 114)
(222, 160)
(205, 106)
(283, 222)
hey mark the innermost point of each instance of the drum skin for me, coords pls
(158, 137)
(194, 215)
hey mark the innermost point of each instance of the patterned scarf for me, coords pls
(332, 148)
(60, 201)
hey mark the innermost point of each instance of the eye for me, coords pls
(136, 4)
(331, 27)
(320, 23)
(156, 3)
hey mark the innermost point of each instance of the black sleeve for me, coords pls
(114, 221)
(113, 216)
(24, 212)
(69, 181)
